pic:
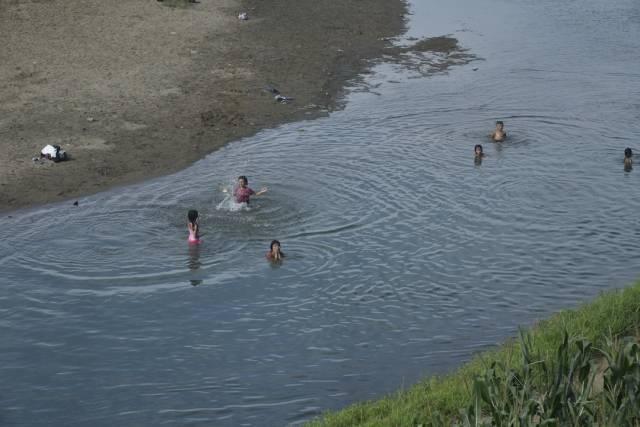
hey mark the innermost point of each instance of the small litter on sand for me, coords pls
(272, 90)
(243, 16)
(278, 96)
(283, 99)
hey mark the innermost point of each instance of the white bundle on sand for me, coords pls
(53, 152)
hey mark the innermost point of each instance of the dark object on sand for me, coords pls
(272, 90)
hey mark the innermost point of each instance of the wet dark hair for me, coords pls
(476, 147)
(243, 178)
(192, 216)
(273, 243)
(628, 153)
(500, 122)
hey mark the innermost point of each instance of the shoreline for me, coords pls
(611, 322)
(175, 102)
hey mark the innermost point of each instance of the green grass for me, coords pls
(555, 344)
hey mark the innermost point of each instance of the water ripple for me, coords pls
(403, 254)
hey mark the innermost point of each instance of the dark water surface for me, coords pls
(404, 258)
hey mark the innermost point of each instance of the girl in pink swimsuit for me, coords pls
(242, 193)
(192, 225)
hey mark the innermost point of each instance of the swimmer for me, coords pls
(628, 161)
(192, 225)
(499, 134)
(479, 155)
(275, 254)
(242, 193)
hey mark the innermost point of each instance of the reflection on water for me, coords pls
(403, 258)
(194, 257)
(194, 262)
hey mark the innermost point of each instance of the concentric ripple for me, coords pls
(404, 256)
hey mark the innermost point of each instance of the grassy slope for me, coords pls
(615, 312)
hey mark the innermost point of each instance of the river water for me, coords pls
(404, 257)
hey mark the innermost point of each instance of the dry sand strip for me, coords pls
(139, 88)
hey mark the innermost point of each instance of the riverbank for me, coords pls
(538, 363)
(134, 90)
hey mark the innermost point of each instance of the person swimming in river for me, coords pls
(628, 159)
(275, 254)
(499, 135)
(192, 225)
(478, 151)
(243, 193)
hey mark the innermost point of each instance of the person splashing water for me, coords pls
(243, 192)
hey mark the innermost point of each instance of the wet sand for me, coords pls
(134, 90)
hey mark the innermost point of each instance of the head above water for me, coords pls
(478, 149)
(276, 244)
(192, 216)
(243, 180)
(628, 153)
(499, 124)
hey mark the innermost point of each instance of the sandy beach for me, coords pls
(133, 89)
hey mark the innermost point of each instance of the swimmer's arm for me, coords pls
(261, 192)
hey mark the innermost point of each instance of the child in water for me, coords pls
(479, 155)
(243, 193)
(628, 161)
(499, 134)
(275, 254)
(192, 225)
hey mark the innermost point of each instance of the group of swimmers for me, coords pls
(242, 194)
(499, 135)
